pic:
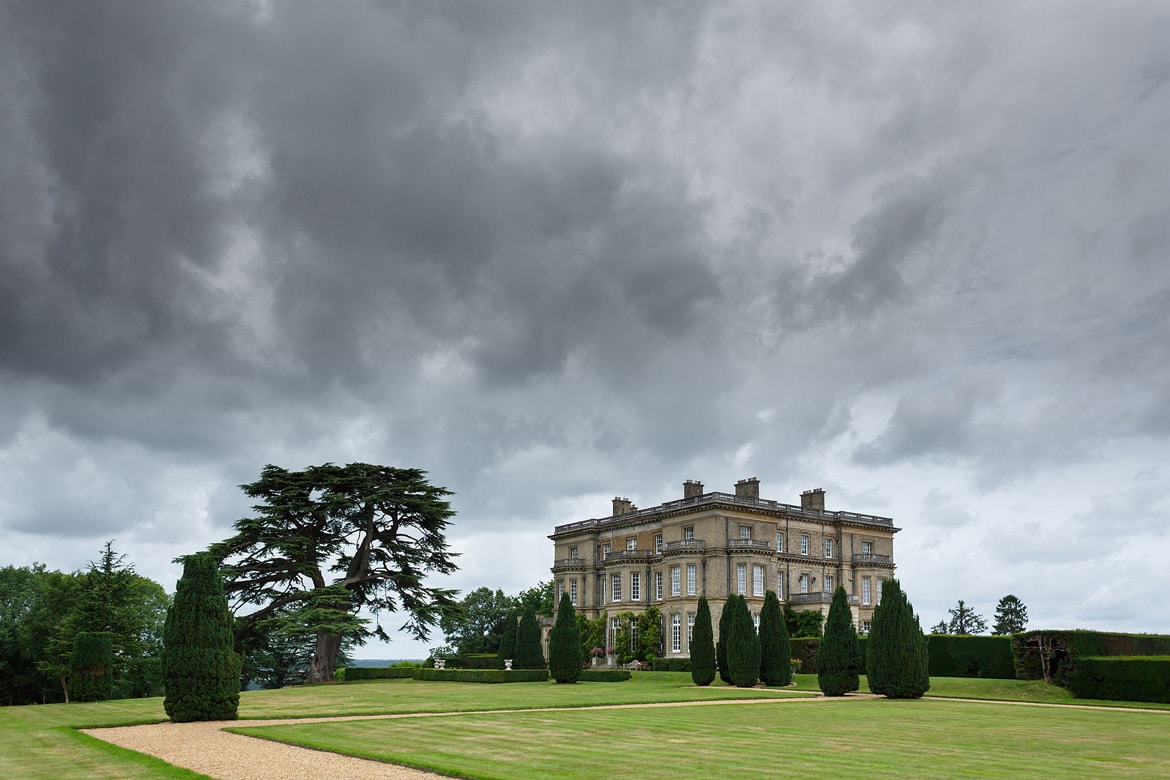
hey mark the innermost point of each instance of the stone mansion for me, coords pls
(713, 544)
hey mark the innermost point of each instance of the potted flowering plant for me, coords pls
(795, 665)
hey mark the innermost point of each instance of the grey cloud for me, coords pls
(552, 253)
(930, 423)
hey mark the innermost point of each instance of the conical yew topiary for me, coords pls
(896, 656)
(201, 672)
(508, 642)
(743, 646)
(839, 657)
(721, 642)
(702, 646)
(775, 649)
(528, 652)
(564, 644)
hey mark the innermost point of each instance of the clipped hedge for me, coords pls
(1121, 678)
(671, 665)
(475, 661)
(378, 673)
(1032, 650)
(604, 675)
(971, 656)
(481, 675)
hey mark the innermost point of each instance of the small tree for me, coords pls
(1011, 616)
(940, 628)
(806, 623)
(592, 634)
(624, 644)
(201, 672)
(702, 646)
(775, 648)
(965, 620)
(508, 642)
(91, 666)
(721, 643)
(839, 657)
(649, 640)
(896, 656)
(743, 646)
(564, 645)
(528, 652)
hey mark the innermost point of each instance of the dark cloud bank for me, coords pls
(913, 254)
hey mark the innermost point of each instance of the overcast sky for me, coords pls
(915, 253)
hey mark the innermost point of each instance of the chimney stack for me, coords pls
(813, 499)
(692, 488)
(747, 488)
(622, 506)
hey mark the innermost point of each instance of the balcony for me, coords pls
(816, 598)
(684, 546)
(626, 556)
(566, 564)
(749, 545)
(870, 558)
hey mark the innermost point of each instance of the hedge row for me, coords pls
(949, 656)
(971, 656)
(604, 675)
(376, 673)
(476, 661)
(1119, 678)
(671, 665)
(481, 675)
(1031, 650)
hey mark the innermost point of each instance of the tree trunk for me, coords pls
(324, 657)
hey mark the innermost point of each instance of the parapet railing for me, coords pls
(728, 498)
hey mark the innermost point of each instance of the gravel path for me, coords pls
(206, 748)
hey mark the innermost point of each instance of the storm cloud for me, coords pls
(913, 254)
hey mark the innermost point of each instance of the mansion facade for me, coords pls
(714, 544)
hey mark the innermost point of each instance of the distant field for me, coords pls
(924, 737)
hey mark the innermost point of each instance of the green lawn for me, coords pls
(42, 741)
(842, 738)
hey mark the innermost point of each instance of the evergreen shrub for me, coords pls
(508, 642)
(775, 648)
(702, 660)
(743, 647)
(897, 664)
(838, 659)
(721, 642)
(528, 652)
(564, 644)
(91, 667)
(201, 672)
